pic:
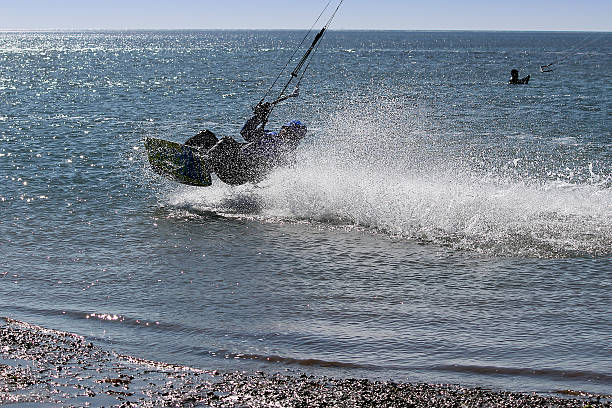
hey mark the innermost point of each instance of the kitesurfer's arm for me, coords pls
(253, 129)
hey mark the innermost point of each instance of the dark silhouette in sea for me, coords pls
(515, 80)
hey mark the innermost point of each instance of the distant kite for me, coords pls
(545, 68)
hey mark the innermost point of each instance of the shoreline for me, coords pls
(48, 367)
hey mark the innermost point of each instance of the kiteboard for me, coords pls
(178, 162)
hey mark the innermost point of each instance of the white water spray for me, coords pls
(377, 168)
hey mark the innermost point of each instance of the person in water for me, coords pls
(238, 163)
(514, 78)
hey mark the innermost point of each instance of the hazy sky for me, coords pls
(354, 14)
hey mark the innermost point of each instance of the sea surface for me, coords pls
(439, 225)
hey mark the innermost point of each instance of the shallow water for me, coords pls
(439, 225)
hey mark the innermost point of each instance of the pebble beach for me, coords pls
(40, 367)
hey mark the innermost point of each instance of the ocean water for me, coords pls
(439, 225)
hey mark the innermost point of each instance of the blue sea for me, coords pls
(439, 225)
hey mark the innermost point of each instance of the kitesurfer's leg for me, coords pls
(228, 161)
(203, 140)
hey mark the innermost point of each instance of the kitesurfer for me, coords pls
(239, 163)
(236, 162)
(514, 78)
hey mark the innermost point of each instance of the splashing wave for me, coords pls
(407, 184)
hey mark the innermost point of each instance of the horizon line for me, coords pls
(58, 30)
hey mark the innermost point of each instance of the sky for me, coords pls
(548, 15)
